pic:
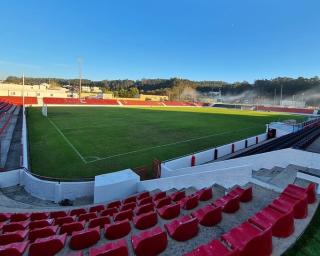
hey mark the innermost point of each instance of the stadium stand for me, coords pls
(76, 101)
(154, 232)
(285, 109)
(18, 100)
(140, 103)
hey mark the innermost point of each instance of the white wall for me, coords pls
(10, 178)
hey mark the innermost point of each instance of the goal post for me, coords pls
(45, 110)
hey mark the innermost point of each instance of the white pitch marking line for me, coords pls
(66, 139)
(165, 145)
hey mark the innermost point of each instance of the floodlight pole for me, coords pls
(23, 91)
(80, 76)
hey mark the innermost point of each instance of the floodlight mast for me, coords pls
(23, 92)
(80, 76)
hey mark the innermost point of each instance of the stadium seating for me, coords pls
(96, 208)
(14, 249)
(109, 211)
(47, 246)
(77, 101)
(144, 208)
(72, 227)
(208, 215)
(99, 222)
(300, 205)
(116, 248)
(145, 220)
(213, 248)
(189, 202)
(285, 109)
(18, 100)
(117, 229)
(159, 195)
(13, 237)
(228, 203)
(40, 223)
(245, 195)
(162, 201)
(169, 211)
(183, 228)
(42, 232)
(140, 103)
(296, 191)
(122, 215)
(204, 194)
(177, 196)
(84, 238)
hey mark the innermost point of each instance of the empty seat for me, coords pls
(208, 215)
(96, 208)
(42, 232)
(297, 190)
(114, 204)
(71, 227)
(4, 217)
(131, 199)
(204, 194)
(77, 212)
(19, 217)
(177, 196)
(159, 195)
(58, 214)
(39, 216)
(84, 238)
(213, 248)
(249, 240)
(145, 220)
(48, 246)
(123, 215)
(13, 237)
(145, 200)
(63, 220)
(143, 195)
(118, 248)
(109, 211)
(183, 228)
(40, 223)
(128, 206)
(14, 249)
(169, 211)
(14, 226)
(117, 230)
(300, 205)
(99, 222)
(150, 242)
(163, 201)
(245, 195)
(144, 209)
(189, 202)
(228, 203)
(87, 216)
(282, 224)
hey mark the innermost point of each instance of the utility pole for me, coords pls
(281, 94)
(275, 97)
(80, 76)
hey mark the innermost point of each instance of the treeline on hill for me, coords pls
(307, 89)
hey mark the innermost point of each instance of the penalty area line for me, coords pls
(66, 140)
(165, 145)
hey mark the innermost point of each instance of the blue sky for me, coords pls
(229, 40)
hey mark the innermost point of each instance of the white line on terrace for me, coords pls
(66, 140)
(165, 145)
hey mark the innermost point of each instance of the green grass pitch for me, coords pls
(76, 142)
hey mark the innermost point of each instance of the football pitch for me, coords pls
(75, 142)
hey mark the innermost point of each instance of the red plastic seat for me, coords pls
(40, 223)
(213, 248)
(183, 229)
(118, 248)
(228, 203)
(4, 217)
(159, 195)
(42, 232)
(58, 214)
(245, 195)
(204, 194)
(144, 209)
(163, 201)
(282, 224)
(149, 243)
(14, 249)
(297, 191)
(72, 227)
(143, 195)
(96, 208)
(87, 216)
(114, 204)
(128, 214)
(77, 212)
(177, 196)
(64, 220)
(145, 220)
(300, 205)
(117, 230)
(48, 246)
(131, 199)
(84, 238)
(145, 200)
(169, 211)
(39, 216)
(109, 211)
(15, 226)
(249, 240)
(19, 217)
(189, 202)
(128, 206)
(99, 222)
(13, 237)
(208, 215)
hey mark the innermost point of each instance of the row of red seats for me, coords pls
(254, 237)
(18, 100)
(77, 101)
(284, 109)
(178, 103)
(140, 103)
